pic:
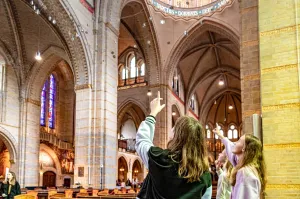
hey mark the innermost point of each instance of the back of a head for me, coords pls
(188, 148)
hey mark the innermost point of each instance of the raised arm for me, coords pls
(228, 146)
(145, 134)
(144, 138)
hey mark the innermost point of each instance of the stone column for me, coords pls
(280, 94)
(250, 71)
(83, 135)
(29, 143)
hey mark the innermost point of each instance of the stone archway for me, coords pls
(8, 140)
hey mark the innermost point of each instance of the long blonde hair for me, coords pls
(253, 157)
(188, 148)
(229, 169)
(13, 180)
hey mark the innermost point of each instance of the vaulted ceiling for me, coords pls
(213, 58)
(23, 32)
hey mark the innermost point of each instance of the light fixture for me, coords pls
(38, 11)
(215, 102)
(134, 46)
(34, 7)
(173, 113)
(38, 56)
(185, 33)
(176, 77)
(54, 21)
(150, 18)
(149, 93)
(49, 18)
(230, 107)
(221, 82)
(31, 2)
(122, 169)
(144, 25)
(162, 21)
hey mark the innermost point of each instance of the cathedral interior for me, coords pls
(77, 77)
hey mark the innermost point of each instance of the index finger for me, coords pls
(158, 94)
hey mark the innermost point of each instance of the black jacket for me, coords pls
(15, 190)
(163, 181)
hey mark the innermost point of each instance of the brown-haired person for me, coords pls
(248, 177)
(179, 172)
(10, 187)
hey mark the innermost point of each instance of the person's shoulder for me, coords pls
(159, 155)
(206, 178)
(157, 151)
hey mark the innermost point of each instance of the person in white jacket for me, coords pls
(179, 172)
(224, 169)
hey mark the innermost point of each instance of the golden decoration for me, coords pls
(280, 106)
(282, 146)
(278, 68)
(280, 30)
(35, 102)
(82, 86)
(283, 186)
(251, 77)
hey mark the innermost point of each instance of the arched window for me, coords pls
(142, 69)
(48, 102)
(192, 102)
(132, 66)
(208, 132)
(232, 132)
(124, 73)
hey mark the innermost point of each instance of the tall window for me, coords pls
(208, 132)
(232, 132)
(132, 67)
(48, 103)
(124, 73)
(143, 69)
(192, 102)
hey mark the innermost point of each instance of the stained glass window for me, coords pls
(43, 104)
(47, 117)
(51, 102)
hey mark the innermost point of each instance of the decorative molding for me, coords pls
(279, 30)
(283, 186)
(282, 146)
(191, 13)
(250, 43)
(250, 113)
(280, 106)
(132, 86)
(35, 102)
(278, 68)
(251, 77)
(82, 86)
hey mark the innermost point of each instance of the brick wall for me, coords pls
(279, 67)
